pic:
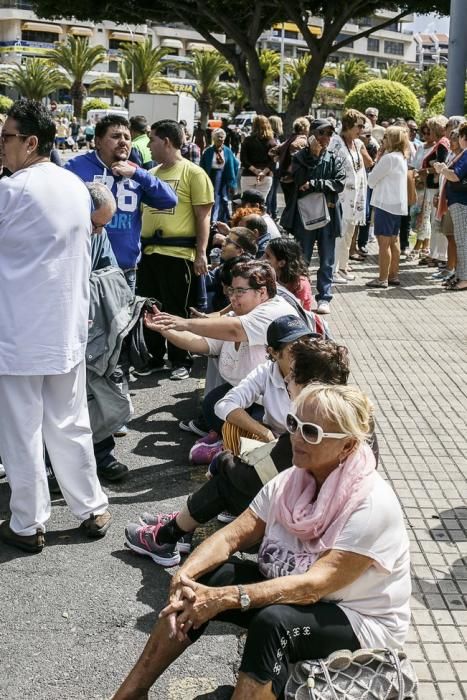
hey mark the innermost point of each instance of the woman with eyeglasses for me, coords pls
(333, 568)
(351, 149)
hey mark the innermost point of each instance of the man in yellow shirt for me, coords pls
(174, 241)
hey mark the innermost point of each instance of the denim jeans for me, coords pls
(325, 241)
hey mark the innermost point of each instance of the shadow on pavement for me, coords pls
(223, 692)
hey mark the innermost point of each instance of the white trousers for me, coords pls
(343, 246)
(250, 183)
(51, 409)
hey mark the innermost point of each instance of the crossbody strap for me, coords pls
(394, 656)
(327, 675)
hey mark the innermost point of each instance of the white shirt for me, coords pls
(265, 384)
(377, 603)
(389, 182)
(45, 244)
(236, 363)
(272, 226)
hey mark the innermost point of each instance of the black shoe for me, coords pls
(33, 544)
(113, 472)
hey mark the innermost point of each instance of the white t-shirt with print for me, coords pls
(377, 603)
(236, 362)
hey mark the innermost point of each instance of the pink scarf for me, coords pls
(318, 523)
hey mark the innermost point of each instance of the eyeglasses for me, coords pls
(5, 135)
(310, 432)
(231, 240)
(240, 291)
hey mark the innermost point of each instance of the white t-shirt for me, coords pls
(377, 603)
(45, 263)
(388, 179)
(235, 363)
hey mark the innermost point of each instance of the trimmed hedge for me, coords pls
(392, 99)
(5, 104)
(436, 105)
(94, 103)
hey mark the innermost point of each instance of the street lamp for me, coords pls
(132, 62)
(281, 74)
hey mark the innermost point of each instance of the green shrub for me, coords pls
(5, 104)
(94, 103)
(436, 105)
(392, 99)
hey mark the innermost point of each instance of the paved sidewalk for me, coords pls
(408, 350)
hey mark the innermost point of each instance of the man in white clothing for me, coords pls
(45, 226)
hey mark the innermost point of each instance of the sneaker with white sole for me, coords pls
(143, 540)
(204, 454)
(338, 279)
(151, 369)
(180, 373)
(192, 426)
(184, 544)
(323, 307)
(121, 432)
(347, 275)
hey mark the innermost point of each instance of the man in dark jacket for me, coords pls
(315, 169)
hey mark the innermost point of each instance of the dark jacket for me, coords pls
(325, 173)
(255, 152)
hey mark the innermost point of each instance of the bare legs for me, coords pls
(249, 689)
(185, 521)
(389, 256)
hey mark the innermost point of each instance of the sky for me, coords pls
(429, 24)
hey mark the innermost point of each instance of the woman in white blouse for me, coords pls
(388, 179)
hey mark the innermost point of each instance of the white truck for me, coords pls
(163, 105)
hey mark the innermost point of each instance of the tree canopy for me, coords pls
(242, 22)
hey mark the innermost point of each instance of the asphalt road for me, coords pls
(75, 617)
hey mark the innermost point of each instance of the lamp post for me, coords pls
(132, 62)
(455, 83)
(281, 74)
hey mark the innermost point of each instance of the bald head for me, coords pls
(255, 223)
(104, 205)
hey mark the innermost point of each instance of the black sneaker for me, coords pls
(113, 472)
(151, 369)
(193, 426)
(33, 544)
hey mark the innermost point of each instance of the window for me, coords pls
(394, 47)
(288, 34)
(39, 37)
(341, 37)
(118, 43)
(372, 44)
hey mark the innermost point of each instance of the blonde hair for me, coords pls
(437, 125)
(261, 128)
(345, 406)
(351, 117)
(301, 126)
(397, 139)
(276, 125)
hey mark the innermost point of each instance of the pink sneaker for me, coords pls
(208, 439)
(204, 454)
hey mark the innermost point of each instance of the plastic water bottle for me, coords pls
(215, 257)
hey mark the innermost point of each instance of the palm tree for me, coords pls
(430, 82)
(400, 73)
(147, 64)
(206, 68)
(349, 74)
(77, 58)
(295, 74)
(120, 86)
(235, 94)
(35, 79)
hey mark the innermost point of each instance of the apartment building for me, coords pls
(431, 49)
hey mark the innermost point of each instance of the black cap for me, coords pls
(286, 329)
(318, 124)
(253, 196)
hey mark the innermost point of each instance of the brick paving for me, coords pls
(408, 351)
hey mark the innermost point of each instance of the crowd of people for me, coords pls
(142, 259)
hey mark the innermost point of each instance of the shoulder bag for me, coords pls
(375, 674)
(313, 210)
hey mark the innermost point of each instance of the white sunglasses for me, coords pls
(311, 433)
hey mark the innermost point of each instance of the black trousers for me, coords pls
(404, 232)
(171, 281)
(279, 634)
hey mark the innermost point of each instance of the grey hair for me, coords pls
(454, 122)
(101, 196)
(219, 132)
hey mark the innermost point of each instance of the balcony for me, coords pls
(15, 5)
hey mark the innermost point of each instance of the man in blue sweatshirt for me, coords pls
(130, 185)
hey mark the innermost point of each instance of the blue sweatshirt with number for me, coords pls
(124, 231)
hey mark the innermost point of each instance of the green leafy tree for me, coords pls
(94, 103)
(77, 58)
(390, 98)
(120, 86)
(35, 79)
(242, 22)
(235, 94)
(5, 104)
(436, 105)
(210, 92)
(294, 76)
(430, 82)
(349, 74)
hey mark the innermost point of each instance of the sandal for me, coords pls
(376, 284)
(450, 284)
(394, 282)
(357, 257)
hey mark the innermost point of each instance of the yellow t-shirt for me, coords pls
(193, 187)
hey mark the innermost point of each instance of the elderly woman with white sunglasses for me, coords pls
(333, 564)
